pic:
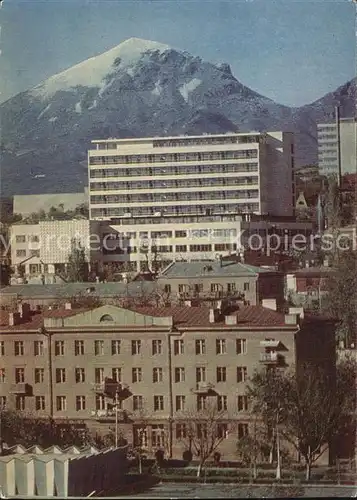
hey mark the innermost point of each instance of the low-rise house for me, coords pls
(308, 286)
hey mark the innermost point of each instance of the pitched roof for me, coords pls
(211, 269)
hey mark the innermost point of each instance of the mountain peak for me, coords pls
(92, 72)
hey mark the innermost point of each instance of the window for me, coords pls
(2, 375)
(242, 403)
(59, 348)
(116, 374)
(181, 248)
(19, 348)
(231, 287)
(200, 346)
(20, 238)
(115, 347)
(2, 402)
(179, 374)
(20, 403)
(180, 431)
(140, 436)
(136, 375)
(19, 375)
(135, 347)
(2, 348)
(246, 286)
(178, 347)
(202, 431)
(222, 403)
(61, 403)
(99, 347)
(221, 346)
(216, 287)
(137, 403)
(60, 375)
(180, 234)
(38, 348)
(242, 374)
(221, 374)
(80, 403)
(157, 375)
(158, 435)
(20, 253)
(39, 375)
(243, 430)
(40, 403)
(200, 374)
(80, 375)
(156, 347)
(158, 403)
(241, 346)
(201, 402)
(106, 318)
(100, 403)
(222, 431)
(167, 288)
(78, 347)
(34, 238)
(99, 375)
(180, 403)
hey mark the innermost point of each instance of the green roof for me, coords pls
(211, 269)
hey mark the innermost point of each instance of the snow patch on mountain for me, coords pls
(104, 86)
(189, 87)
(43, 112)
(157, 90)
(94, 105)
(53, 119)
(90, 73)
(78, 107)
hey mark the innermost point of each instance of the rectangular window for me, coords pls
(2, 402)
(178, 347)
(158, 403)
(221, 346)
(20, 403)
(137, 403)
(38, 347)
(242, 374)
(20, 253)
(60, 375)
(231, 287)
(202, 431)
(99, 375)
(200, 346)
(19, 375)
(246, 287)
(115, 347)
(243, 430)
(100, 403)
(181, 431)
(222, 431)
(40, 403)
(20, 238)
(179, 374)
(201, 402)
(241, 346)
(116, 374)
(222, 403)
(158, 436)
(200, 374)
(135, 347)
(59, 348)
(136, 375)
(99, 347)
(2, 375)
(61, 403)
(157, 375)
(80, 403)
(180, 403)
(242, 403)
(79, 347)
(2, 348)
(39, 375)
(80, 375)
(221, 374)
(156, 347)
(140, 436)
(19, 348)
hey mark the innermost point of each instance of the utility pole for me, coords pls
(278, 467)
(116, 418)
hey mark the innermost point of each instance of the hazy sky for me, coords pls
(291, 51)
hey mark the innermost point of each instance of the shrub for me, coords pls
(187, 456)
(216, 457)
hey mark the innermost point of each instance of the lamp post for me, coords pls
(278, 466)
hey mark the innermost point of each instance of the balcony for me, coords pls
(269, 357)
(203, 388)
(108, 415)
(19, 388)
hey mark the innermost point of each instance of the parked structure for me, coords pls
(210, 174)
(160, 363)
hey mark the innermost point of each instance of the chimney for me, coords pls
(290, 319)
(269, 304)
(68, 306)
(231, 320)
(298, 311)
(14, 319)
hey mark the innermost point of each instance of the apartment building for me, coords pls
(327, 137)
(192, 175)
(162, 363)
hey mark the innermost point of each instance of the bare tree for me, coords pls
(205, 430)
(252, 447)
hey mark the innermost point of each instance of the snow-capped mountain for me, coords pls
(139, 88)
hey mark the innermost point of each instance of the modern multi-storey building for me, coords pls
(327, 136)
(163, 363)
(210, 174)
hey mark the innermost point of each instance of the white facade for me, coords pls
(328, 146)
(210, 174)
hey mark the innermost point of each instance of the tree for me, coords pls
(341, 299)
(309, 407)
(253, 446)
(141, 426)
(77, 268)
(205, 430)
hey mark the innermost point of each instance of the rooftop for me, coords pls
(48, 454)
(211, 269)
